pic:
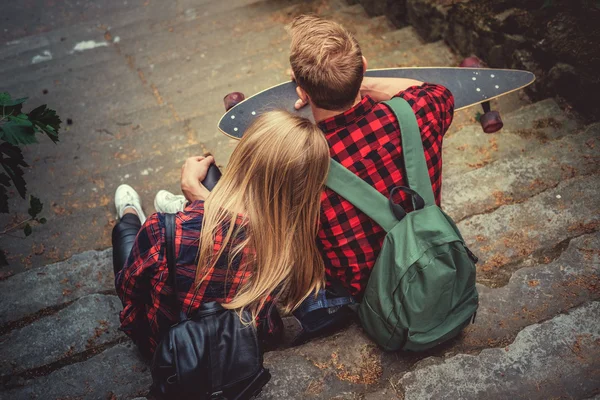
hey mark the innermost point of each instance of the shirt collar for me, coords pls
(344, 119)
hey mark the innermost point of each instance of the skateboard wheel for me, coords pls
(471, 62)
(491, 122)
(233, 99)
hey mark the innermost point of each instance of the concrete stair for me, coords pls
(525, 200)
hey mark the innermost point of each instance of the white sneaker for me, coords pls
(126, 197)
(167, 202)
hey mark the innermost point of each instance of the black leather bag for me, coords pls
(210, 355)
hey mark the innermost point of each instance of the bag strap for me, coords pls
(412, 149)
(171, 260)
(368, 199)
(361, 195)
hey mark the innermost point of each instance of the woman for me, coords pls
(249, 245)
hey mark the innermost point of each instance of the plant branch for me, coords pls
(12, 228)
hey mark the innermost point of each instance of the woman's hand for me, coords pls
(193, 172)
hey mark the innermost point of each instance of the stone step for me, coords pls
(348, 360)
(131, 84)
(531, 229)
(116, 373)
(138, 23)
(92, 206)
(515, 179)
(139, 37)
(178, 138)
(92, 168)
(566, 366)
(473, 193)
(524, 130)
(55, 285)
(435, 54)
(404, 39)
(62, 16)
(505, 105)
(160, 124)
(89, 322)
(218, 75)
(99, 88)
(58, 240)
(147, 174)
(93, 173)
(250, 79)
(534, 294)
(101, 61)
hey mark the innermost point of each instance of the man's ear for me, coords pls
(364, 64)
(302, 95)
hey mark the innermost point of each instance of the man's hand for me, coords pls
(193, 172)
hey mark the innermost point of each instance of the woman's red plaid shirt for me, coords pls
(143, 283)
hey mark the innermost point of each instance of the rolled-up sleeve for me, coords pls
(433, 103)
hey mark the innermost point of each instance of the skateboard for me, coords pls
(470, 84)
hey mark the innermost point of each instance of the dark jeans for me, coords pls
(123, 237)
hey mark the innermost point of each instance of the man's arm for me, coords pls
(381, 89)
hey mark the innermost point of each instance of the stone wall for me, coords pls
(558, 40)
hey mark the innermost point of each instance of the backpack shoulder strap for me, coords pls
(361, 195)
(412, 149)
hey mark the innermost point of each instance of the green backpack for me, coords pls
(421, 291)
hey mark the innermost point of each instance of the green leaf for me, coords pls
(478, 116)
(11, 159)
(46, 120)
(42, 221)
(27, 230)
(6, 101)
(35, 206)
(18, 130)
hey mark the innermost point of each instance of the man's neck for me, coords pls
(321, 114)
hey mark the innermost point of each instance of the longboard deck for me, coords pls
(470, 86)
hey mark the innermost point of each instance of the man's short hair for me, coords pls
(326, 61)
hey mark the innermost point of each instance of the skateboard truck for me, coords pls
(490, 120)
(232, 99)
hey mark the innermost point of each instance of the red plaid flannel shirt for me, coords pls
(143, 284)
(366, 140)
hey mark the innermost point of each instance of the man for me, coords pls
(363, 136)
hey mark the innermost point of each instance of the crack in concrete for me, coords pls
(63, 362)
(523, 200)
(540, 257)
(45, 312)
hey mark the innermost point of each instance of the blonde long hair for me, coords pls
(274, 178)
